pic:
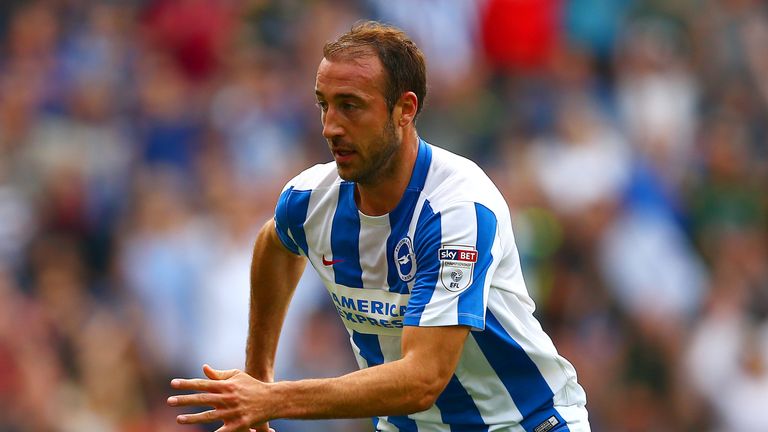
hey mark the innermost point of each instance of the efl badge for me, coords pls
(456, 266)
(405, 260)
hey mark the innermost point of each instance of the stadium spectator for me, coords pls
(96, 94)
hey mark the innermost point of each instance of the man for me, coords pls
(415, 247)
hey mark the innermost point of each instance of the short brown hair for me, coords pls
(403, 61)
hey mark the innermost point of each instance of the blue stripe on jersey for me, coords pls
(522, 379)
(369, 346)
(345, 239)
(426, 241)
(400, 217)
(470, 308)
(399, 220)
(281, 221)
(403, 423)
(420, 169)
(290, 214)
(370, 350)
(458, 410)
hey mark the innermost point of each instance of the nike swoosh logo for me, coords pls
(327, 262)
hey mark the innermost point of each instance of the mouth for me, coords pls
(343, 155)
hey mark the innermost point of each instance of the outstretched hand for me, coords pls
(237, 399)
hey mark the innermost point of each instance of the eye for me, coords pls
(346, 106)
(322, 105)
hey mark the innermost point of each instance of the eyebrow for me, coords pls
(341, 96)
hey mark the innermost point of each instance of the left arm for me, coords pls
(410, 384)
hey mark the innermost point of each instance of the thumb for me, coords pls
(216, 374)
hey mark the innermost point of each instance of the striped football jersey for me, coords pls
(444, 256)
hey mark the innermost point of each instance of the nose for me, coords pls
(331, 126)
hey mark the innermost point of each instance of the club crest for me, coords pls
(405, 260)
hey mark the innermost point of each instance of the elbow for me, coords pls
(425, 393)
(424, 402)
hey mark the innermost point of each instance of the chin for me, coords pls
(345, 175)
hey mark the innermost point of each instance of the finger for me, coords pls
(233, 428)
(196, 384)
(205, 416)
(216, 374)
(207, 399)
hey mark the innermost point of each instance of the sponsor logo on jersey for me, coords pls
(457, 263)
(330, 262)
(405, 259)
(453, 253)
(371, 311)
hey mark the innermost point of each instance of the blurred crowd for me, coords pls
(143, 144)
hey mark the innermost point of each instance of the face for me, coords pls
(357, 124)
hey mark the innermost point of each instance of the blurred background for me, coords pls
(143, 143)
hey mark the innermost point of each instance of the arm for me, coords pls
(405, 386)
(275, 272)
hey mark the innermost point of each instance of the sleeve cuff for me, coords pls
(287, 241)
(475, 322)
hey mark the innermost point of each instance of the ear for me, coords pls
(406, 107)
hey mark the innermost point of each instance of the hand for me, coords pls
(238, 400)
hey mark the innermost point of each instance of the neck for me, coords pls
(383, 195)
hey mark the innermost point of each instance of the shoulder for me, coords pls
(294, 200)
(294, 203)
(455, 181)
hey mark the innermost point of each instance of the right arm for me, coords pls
(275, 272)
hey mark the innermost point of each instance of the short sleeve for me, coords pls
(455, 263)
(282, 221)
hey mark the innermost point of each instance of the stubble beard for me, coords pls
(382, 161)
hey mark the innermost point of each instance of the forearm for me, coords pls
(396, 388)
(275, 272)
(411, 384)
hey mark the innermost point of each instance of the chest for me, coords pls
(371, 257)
(368, 270)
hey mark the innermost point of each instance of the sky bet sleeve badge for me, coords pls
(456, 266)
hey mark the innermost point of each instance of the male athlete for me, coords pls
(415, 247)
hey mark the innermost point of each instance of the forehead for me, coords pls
(359, 76)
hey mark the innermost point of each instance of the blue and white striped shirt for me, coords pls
(444, 256)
